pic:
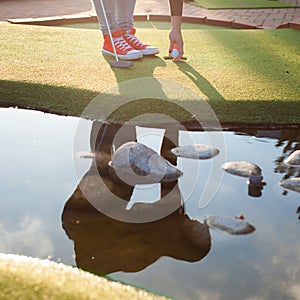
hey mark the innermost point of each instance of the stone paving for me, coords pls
(237, 18)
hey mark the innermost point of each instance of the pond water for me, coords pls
(44, 214)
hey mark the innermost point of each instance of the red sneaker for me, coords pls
(136, 44)
(124, 51)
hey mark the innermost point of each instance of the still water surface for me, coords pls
(42, 206)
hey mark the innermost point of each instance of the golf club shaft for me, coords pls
(109, 31)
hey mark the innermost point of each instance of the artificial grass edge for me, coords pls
(23, 277)
(229, 120)
(73, 102)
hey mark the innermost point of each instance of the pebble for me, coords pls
(232, 225)
(242, 168)
(195, 151)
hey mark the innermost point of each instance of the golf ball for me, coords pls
(174, 53)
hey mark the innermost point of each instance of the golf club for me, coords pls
(117, 63)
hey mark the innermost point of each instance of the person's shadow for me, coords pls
(145, 68)
(202, 83)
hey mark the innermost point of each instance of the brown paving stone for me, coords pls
(10, 9)
(271, 23)
(259, 21)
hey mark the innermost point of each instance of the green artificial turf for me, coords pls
(31, 278)
(248, 76)
(223, 4)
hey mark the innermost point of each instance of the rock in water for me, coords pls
(139, 164)
(291, 184)
(232, 225)
(293, 159)
(242, 168)
(195, 151)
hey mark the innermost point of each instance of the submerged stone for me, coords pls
(242, 168)
(291, 184)
(136, 163)
(293, 159)
(195, 151)
(232, 225)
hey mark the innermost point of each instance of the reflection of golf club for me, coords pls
(117, 63)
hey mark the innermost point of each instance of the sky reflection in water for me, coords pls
(37, 179)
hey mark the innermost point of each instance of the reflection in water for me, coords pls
(26, 237)
(289, 141)
(106, 245)
(37, 178)
(255, 185)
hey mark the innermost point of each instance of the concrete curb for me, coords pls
(60, 20)
(84, 18)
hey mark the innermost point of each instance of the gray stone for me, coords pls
(136, 163)
(195, 151)
(232, 225)
(242, 168)
(293, 159)
(291, 184)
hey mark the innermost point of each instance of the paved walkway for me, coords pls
(260, 18)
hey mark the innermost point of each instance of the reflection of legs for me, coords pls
(170, 141)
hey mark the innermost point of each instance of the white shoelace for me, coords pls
(133, 39)
(122, 44)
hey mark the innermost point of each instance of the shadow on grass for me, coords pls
(257, 112)
(229, 111)
(47, 98)
(149, 64)
(70, 101)
(203, 84)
